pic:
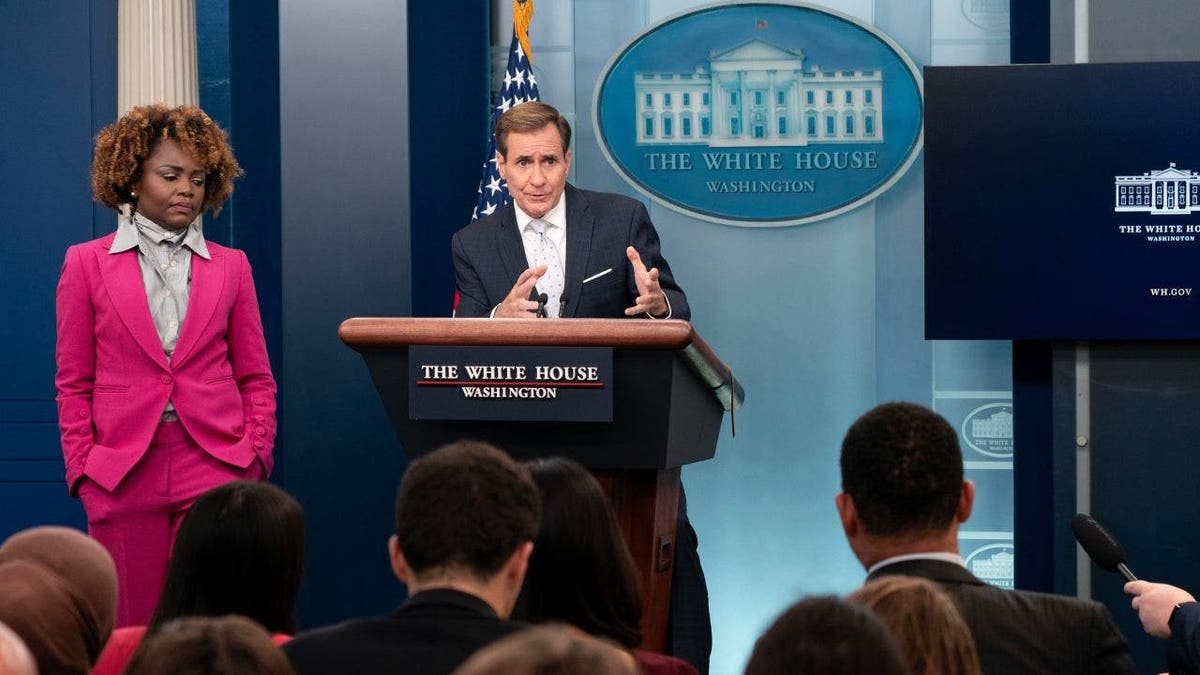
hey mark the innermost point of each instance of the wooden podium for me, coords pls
(669, 393)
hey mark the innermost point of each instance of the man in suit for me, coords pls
(466, 518)
(597, 257)
(903, 500)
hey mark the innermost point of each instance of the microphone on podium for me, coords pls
(1100, 545)
(562, 305)
(542, 299)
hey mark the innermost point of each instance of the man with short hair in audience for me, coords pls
(466, 518)
(903, 500)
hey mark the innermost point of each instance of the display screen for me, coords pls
(1062, 201)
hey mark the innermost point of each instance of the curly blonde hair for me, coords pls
(124, 145)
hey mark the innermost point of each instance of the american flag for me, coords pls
(519, 86)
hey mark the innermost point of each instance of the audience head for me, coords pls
(466, 513)
(902, 482)
(240, 550)
(581, 571)
(15, 657)
(932, 634)
(826, 635)
(549, 650)
(229, 645)
(58, 592)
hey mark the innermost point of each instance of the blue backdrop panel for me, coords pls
(450, 121)
(55, 100)
(345, 230)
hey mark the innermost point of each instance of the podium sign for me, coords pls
(533, 384)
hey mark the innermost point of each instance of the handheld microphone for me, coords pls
(562, 305)
(542, 299)
(1100, 545)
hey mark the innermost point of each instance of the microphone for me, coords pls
(562, 305)
(1100, 545)
(542, 299)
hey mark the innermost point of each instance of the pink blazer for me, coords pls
(113, 379)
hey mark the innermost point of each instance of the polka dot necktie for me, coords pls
(546, 253)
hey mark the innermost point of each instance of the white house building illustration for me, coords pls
(997, 569)
(998, 425)
(759, 94)
(1168, 191)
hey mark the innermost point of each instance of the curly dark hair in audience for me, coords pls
(230, 645)
(123, 146)
(466, 506)
(825, 636)
(240, 550)
(528, 117)
(902, 466)
(581, 571)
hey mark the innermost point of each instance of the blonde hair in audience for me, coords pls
(932, 634)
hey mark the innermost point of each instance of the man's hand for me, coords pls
(650, 299)
(1154, 604)
(516, 304)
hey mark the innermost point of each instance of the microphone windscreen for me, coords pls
(1097, 542)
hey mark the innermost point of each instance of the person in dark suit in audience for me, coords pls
(466, 518)
(903, 499)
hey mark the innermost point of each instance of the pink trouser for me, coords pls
(138, 521)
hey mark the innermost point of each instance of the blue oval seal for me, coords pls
(760, 114)
(988, 430)
(994, 563)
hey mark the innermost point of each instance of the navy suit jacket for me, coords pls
(1183, 647)
(1024, 632)
(430, 634)
(489, 256)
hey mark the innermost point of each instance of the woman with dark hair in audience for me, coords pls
(826, 635)
(932, 634)
(240, 550)
(581, 571)
(231, 645)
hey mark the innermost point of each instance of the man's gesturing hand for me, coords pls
(650, 297)
(516, 304)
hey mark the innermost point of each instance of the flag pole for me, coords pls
(522, 16)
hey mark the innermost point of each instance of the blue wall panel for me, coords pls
(55, 100)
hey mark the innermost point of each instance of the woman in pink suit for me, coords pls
(164, 386)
